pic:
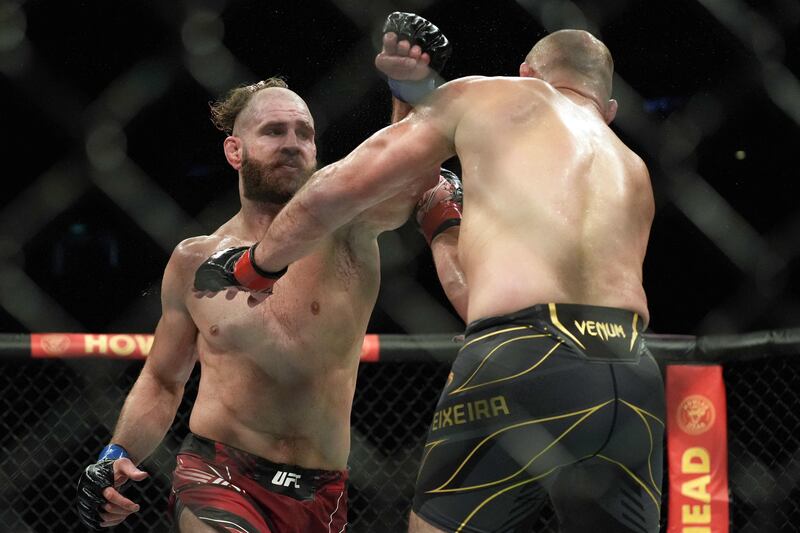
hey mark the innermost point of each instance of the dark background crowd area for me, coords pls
(111, 158)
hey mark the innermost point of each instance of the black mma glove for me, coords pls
(234, 267)
(94, 480)
(418, 31)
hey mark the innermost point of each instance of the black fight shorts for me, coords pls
(559, 402)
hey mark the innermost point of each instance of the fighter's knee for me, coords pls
(189, 523)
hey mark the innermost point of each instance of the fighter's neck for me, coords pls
(580, 97)
(255, 217)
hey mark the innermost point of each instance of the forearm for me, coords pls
(146, 416)
(314, 213)
(389, 162)
(380, 168)
(444, 248)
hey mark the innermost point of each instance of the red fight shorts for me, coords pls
(231, 490)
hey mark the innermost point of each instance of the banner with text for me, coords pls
(697, 450)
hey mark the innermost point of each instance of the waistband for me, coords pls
(287, 479)
(595, 330)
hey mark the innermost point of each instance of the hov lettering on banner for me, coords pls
(697, 450)
(129, 346)
(65, 345)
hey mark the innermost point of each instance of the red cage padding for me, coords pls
(137, 346)
(697, 449)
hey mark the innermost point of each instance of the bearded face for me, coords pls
(274, 182)
(275, 135)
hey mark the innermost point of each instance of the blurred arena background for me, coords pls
(111, 160)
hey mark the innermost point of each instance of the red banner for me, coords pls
(129, 345)
(697, 449)
(61, 345)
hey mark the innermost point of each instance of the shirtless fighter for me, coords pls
(554, 394)
(270, 428)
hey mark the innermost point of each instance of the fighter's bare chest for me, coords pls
(316, 298)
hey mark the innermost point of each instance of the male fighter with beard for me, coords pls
(554, 394)
(270, 428)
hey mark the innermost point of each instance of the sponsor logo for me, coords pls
(284, 479)
(696, 414)
(603, 330)
(55, 344)
(118, 344)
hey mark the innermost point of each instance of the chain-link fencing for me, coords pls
(94, 91)
(764, 444)
(57, 414)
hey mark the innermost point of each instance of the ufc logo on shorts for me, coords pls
(285, 479)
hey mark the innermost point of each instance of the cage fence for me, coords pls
(56, 414)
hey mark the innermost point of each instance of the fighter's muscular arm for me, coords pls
(150, 406)
(153, 401)
(408, 62)
(389, 162)
(444, 244)
(398, 63)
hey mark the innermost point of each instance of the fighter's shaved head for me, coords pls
(577, 54)
(266, 100)
(230, 111)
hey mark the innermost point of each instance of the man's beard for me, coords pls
(261, 183)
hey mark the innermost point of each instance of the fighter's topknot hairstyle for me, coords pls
(225, 111)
